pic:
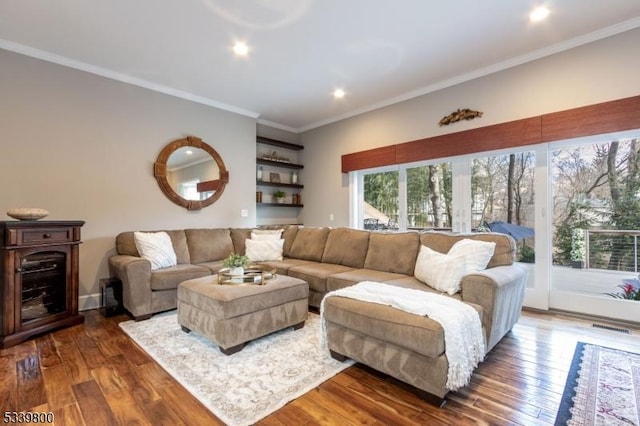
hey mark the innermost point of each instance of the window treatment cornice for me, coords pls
(606, 117)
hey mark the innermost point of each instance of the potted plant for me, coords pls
(630, 290)
(279, 196)
(577, 248)
(236, 263)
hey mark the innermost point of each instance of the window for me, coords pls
(188, 190)
(503, 198)
(380, 206)
(429, 196)
(596, 200)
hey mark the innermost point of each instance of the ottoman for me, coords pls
(231, 315)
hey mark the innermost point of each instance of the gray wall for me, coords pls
(83, 147)
(593, 73)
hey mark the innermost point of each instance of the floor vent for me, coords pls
(606, 327)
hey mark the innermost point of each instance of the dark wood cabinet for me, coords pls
(39, 270)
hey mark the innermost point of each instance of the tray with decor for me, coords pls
(253, 275)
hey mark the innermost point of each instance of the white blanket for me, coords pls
(464, 341)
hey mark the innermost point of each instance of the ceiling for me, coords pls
(379, 51)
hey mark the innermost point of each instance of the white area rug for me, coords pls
(242, 388)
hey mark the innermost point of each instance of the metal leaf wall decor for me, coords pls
(459, 115)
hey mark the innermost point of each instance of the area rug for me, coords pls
(242, 388)
(602, 388)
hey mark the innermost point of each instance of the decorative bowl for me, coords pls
(27, 213)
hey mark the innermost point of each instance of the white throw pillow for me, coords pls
(156, 247)
(477, 254)
(266, 234)
(439, 271)
(264, 250)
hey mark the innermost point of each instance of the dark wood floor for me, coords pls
(93, 374)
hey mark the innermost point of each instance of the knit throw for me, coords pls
(463, 337)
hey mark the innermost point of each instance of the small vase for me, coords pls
(238, 270)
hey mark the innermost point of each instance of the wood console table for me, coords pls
(39, 284)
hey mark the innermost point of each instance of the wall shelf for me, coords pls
(285, 185)
(279, 144)
(272, 167)
(279, 205)
(279, 164)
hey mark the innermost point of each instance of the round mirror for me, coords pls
(191, 173)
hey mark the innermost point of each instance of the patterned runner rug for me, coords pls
(242, 388)
(603, 388)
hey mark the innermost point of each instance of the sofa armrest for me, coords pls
(135, 274)
(500, 292)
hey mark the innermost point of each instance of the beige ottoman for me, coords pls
(231, 315)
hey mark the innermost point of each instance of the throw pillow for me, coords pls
(439, 271)
(264, 250)
(477, 254)
(156, 247)
(266, 234)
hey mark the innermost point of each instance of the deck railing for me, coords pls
(612, 249)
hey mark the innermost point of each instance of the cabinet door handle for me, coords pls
(46, 235)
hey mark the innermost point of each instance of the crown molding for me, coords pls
(278, 126)
(510, 63)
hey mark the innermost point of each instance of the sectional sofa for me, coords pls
(333, 258)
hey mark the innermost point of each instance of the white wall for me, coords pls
(83, 147)
(598, 72)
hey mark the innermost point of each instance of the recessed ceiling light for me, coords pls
(240, 48)
(189, 152)
(539, 14)
(338, 93)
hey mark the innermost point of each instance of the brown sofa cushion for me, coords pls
(504, 254)
(206, 245)
(346, 247)
(316, 274)
(238, 236)
(309, 244)
(169, 278)
(348, 278)
(289, 236)
(393, 252)
(417, 333)
(126, 245)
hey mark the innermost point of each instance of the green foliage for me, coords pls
(576, 214)
(527, 254)
(381, 191)
(578, 245)
(235, 260)
(279, 194)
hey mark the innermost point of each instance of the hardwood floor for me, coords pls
(93, 374)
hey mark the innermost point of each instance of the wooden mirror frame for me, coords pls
(160, 173)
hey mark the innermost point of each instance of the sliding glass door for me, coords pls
(573, 208)
(596, 225)
(506, 197)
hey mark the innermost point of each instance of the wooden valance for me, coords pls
(606, 117)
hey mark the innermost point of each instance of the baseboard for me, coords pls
(585, 317)
(91, 301)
